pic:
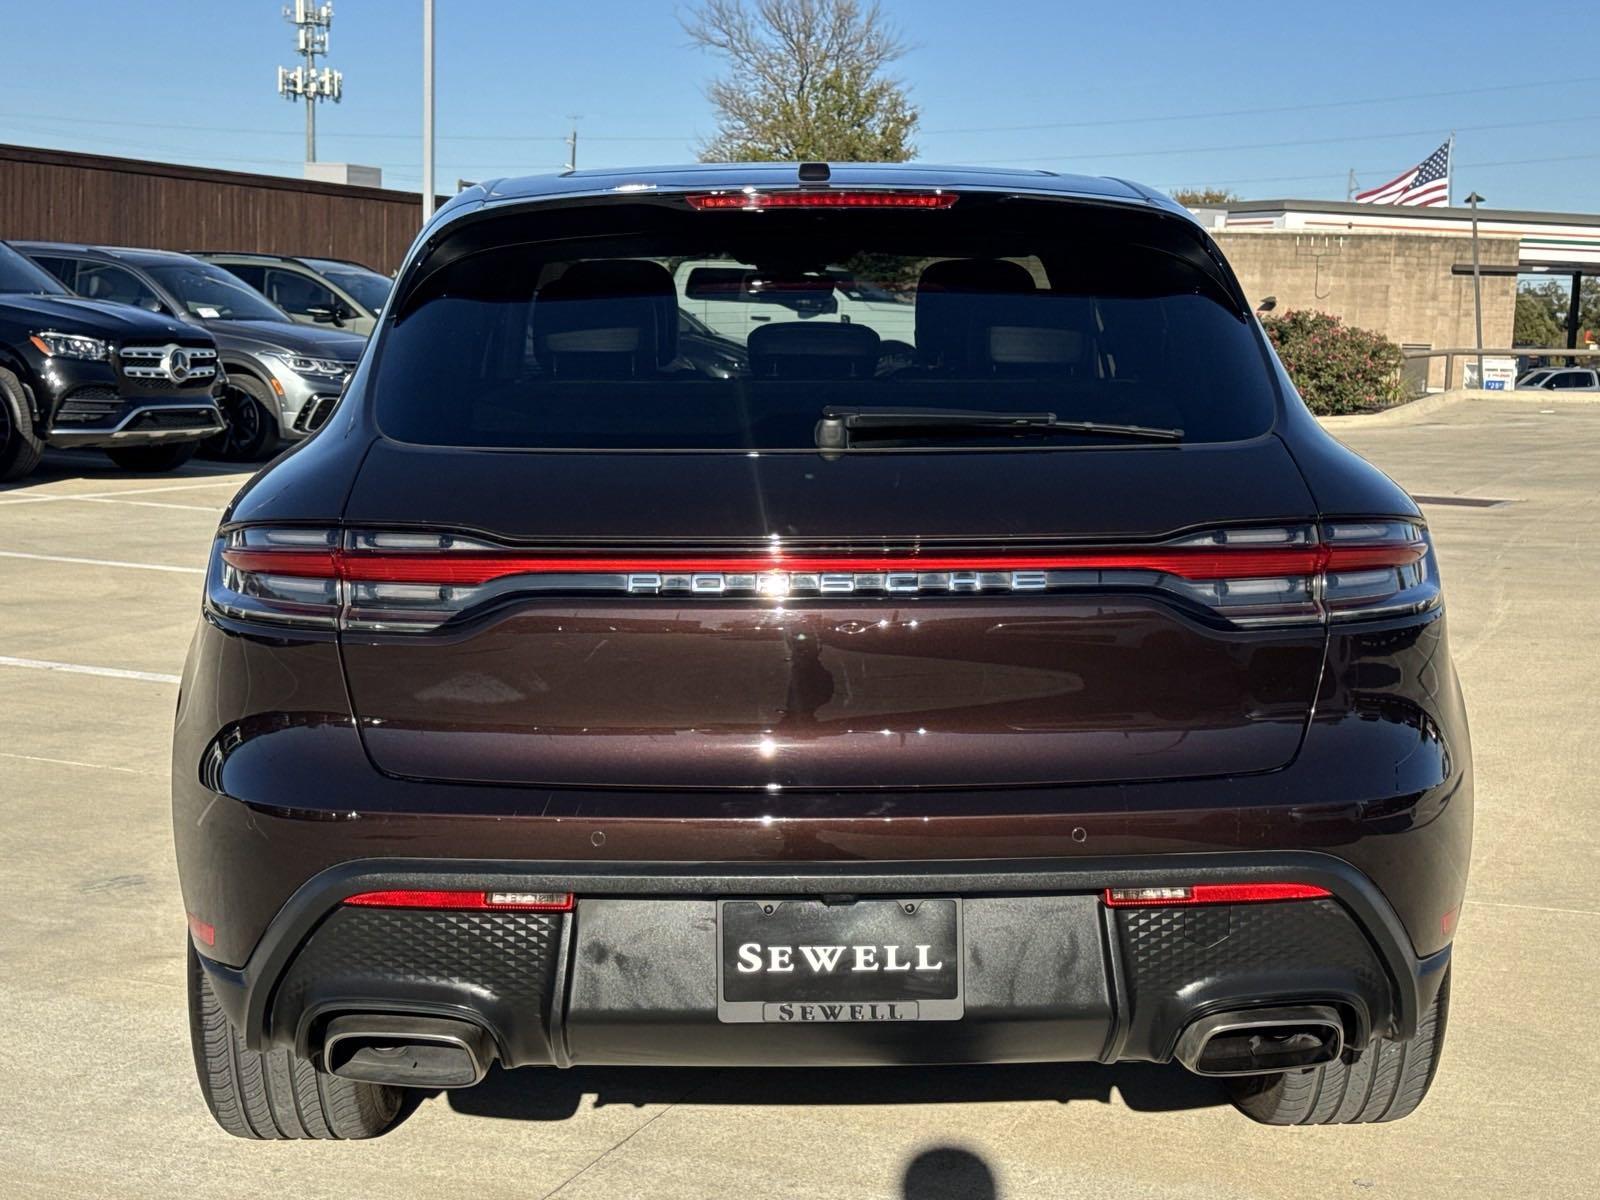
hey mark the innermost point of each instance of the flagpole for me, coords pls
(1450, 167)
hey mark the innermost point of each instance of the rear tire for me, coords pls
(1384, 1082)
(151, 460)
(272, 1094)
(20, 447)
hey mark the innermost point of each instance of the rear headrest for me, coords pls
(611, 318)
(974, 275)
(813, 350)
(949, 321)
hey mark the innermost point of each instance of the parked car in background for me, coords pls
(282, 378)
(315, 291)
(1561, 379)
(714, 356)
(75, 373)
(1059, 691)
(733, 299)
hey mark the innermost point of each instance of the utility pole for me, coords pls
(428, 191)
(1477, 285)
(1350, 185)
(312, 25)
(572, 142)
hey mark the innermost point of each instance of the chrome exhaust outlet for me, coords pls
(407, 1051)
(1262, 1041)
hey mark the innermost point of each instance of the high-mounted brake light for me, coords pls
(472, 901)
(821, 198)
(1211, 893)
(399, 581)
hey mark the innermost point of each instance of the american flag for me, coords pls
(1423, 186)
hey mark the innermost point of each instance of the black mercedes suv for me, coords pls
(1011, 670)
(75, 373)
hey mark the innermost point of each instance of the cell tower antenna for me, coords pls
(312, 23)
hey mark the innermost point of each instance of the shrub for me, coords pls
(1336, 368)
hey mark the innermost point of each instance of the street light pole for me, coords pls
(428, 190)
(1477, 285)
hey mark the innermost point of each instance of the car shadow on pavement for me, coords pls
(549, 1094)
(58, 465)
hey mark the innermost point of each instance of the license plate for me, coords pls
(805, 962)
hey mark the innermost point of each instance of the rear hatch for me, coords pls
(578, 559)
(674, 688)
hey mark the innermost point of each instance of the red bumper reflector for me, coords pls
(469, 569)
(1211, 893)
(724, 201)
(205, 934)
(484, 901)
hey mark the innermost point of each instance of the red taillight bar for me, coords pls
(1211, 893)
(724, 201)
(472, 568)
(304, 564)
(506, 901)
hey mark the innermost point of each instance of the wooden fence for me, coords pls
(61, 196)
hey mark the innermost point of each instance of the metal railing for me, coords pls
(1550, 355)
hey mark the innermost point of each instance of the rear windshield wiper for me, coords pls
(837, 424)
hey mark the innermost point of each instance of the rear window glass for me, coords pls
(647, 326)
(19, 276)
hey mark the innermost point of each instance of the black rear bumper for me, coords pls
(629, 977)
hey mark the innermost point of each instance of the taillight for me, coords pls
(1352, 569)
(400, 581)
(1377, 568)
(750, 200)
(470, 901)
(1211, 893)
(280, 576)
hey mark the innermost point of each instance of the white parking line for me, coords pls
(1571, 912)
(74, 762)
(101, 562)
(40, 664)
(213, 509)
(143, 491)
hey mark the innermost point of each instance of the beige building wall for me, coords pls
(1398, 284)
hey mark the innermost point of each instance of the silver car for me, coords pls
(1561, 379)
(314, 291)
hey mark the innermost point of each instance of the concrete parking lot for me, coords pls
(100, 575)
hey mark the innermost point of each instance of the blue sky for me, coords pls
(1276, 100)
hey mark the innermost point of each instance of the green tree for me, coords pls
(1205, 197)
(806, 82)
(1536, 321)
(1541, 318)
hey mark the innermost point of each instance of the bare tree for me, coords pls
(1204, 197)
(806, 82)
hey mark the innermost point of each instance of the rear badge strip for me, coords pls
(833, 583)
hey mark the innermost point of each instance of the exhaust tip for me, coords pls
(407, 1051)
(1262, 1041)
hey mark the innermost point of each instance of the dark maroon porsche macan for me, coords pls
(788, 615)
